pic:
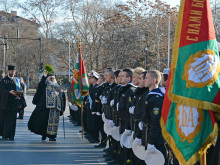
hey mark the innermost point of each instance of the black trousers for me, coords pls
(21, 112)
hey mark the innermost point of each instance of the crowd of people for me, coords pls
(122, 111)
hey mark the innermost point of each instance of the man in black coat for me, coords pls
(9, 104)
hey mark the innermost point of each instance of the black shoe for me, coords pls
(20, 117)
(77, 124)
(109, 158)
(105, 155)
(12, 139)
(106, 150)
(4, 138)
(94, 141)
(113, 162)
(52, 139)
(80, 131)
(101, 145)
(43, 138)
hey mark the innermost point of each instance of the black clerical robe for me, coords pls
(8, 108)
(41, 116)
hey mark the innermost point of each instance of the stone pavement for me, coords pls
(28, 149)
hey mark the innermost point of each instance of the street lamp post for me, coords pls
(145, 58)
(69, 48)
(168, 59)
(5, 44)
(69, 54)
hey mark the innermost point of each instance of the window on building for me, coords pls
(15, 19)
(3, 18)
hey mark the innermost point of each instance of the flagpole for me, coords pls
(82, 123)
(203, 159)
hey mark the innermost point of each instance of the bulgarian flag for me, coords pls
(188, 130)
(80, 84)
(187, 121)
(195, 78)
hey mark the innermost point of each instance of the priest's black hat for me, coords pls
(11, 67)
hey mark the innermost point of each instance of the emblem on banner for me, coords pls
(188, 122)
(201, 69)
(76, 76)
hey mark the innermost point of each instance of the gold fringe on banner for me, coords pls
(207, 143)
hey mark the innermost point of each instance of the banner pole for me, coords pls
(82, 123)
(203, 159)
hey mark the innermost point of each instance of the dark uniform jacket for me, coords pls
(152, 107)
(126, 95)
(109, 96)
(116, 95)
(137, 102)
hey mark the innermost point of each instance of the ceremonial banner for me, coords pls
(188, 130)
(195, 79)
(80, 84)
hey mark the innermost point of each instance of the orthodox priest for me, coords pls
(9, 95)
(50, 104)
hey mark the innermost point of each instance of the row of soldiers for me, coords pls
(124, 107)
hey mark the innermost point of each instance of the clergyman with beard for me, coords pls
(50, 105)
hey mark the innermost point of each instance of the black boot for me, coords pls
(43, 137)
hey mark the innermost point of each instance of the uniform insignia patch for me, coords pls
(129, 99)
(146, 102)
(123, 95)
(156, 111)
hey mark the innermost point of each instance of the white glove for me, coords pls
(112, 103)
(69, 103)
(131, 110)
(127, 132)
(141, 125)
(104, 100)
(97, 113)
(117, 106)
(93, 113)
(100, 97)
(151, 148)
(111, 122)
(137, 140)
(74, 107)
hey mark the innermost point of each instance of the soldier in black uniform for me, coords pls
(136, 113)
(113, 151)
(126, 96)
(97, 111)
(152, 137)
(90, 117)
(9, 104)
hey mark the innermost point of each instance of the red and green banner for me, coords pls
(193, 89)
(195, 79)
(188, 130)
(80, 84)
